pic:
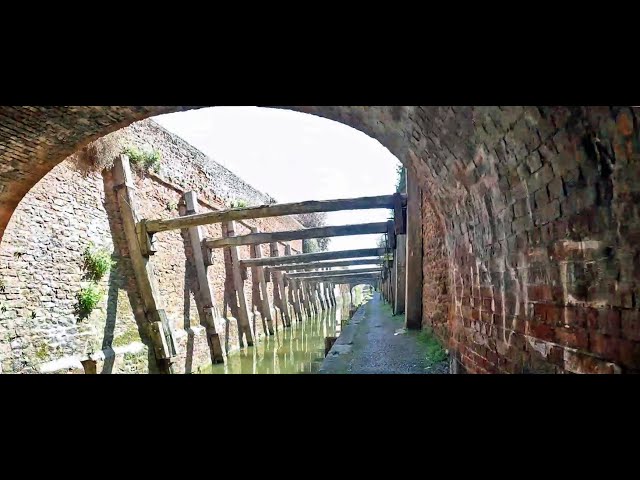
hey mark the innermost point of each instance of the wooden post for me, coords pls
(312, 298)
(244, 326)
(400, 274)
(302, 290)
(279, 294)
(319, 290)
(205, 290)
(394, 281)
(160, 330)
(327, 298)
(413, 302)
(293, 289)
(258, 274)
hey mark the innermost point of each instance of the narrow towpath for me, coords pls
(376, 342)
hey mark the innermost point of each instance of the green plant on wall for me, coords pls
(143, 160)
(239, 204)
(97, 262)
(172, 206)
(88, 298)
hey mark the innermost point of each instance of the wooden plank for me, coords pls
(206, 295)
(413, 283)
(400, 275)
(141, 265)
(331, 273)
(244, 326)
(339, 280)
(257, 273)
(263, 211)
(306, 233)
(335, 263)
(315, 257)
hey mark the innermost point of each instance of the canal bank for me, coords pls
(375, 341)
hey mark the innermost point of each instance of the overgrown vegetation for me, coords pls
(129, 336)
(143, 160)
(435, 352)
(172, 206)
(42, 352)
(88, 298)
(401, 181)
(310, 220)
(99, 154)
(240, 203)
(97, 262)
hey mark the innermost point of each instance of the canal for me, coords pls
(297, 349)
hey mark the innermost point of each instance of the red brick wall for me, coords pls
(541, 229)
(435, 273)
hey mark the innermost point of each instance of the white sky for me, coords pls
(294, 157)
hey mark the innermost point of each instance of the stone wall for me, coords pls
(41, 262)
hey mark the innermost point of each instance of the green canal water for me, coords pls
(297, 349)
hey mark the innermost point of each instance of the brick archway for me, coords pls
(537, 212)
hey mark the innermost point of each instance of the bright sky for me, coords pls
(294, 157)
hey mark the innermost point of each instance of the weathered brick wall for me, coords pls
(539, 214)
(41, 263)
(541, 229)
(435, 273)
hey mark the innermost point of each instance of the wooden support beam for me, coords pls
(244, 326)
(279, 294)
(306, 233)
(344, 279)
(304, 295)
(400, 213)
(263, 211)
(205, 289)
(391, 234)
(310, 300)
(335, 263)
(293, 290)
(257, 273)
(332, 273)
(323, 302)
(315, 257)
(400, 274)
(413, 302)
(392, 293)
(159, 328)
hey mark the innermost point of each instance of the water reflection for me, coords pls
(297, 349)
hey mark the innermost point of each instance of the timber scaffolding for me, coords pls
(303, 284)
